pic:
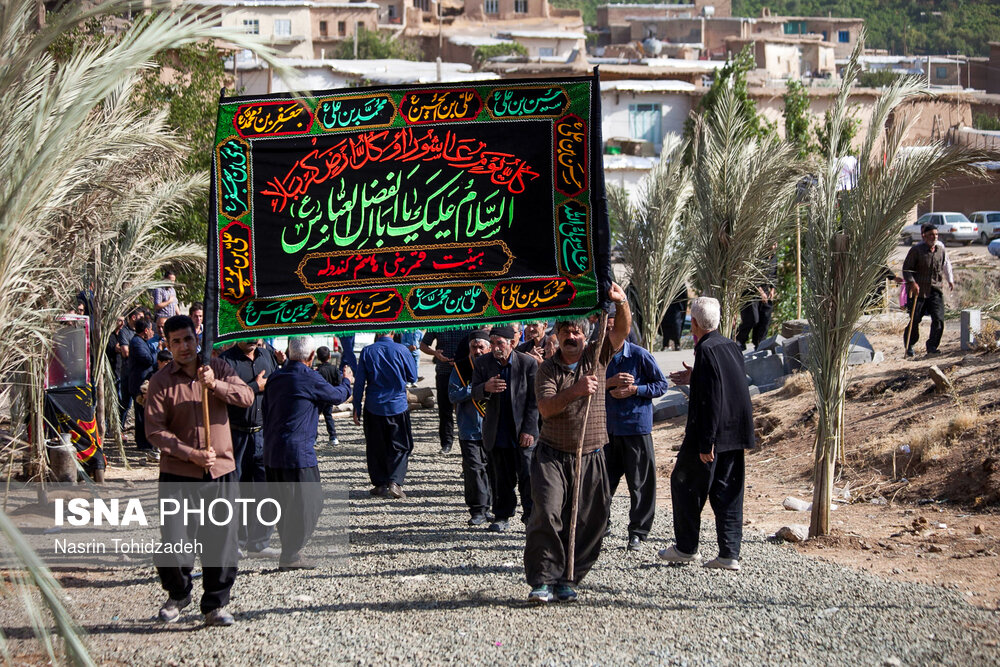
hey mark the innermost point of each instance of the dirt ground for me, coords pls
(922, 468)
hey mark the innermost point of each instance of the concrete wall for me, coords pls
(965, 194)
(674, 108)
(324, 45)
(474, 9)
(299, 45)
(679, 31)
(561, 48)
(950, 71)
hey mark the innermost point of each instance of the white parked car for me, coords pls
(951, 226)
(988, 223)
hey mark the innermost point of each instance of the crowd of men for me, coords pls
(550, 420)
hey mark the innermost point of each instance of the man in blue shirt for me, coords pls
(384, 370)
(633, 381)
(293, 396)
(142, 364)
(469, 414)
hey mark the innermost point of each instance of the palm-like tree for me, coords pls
(848, 235)
(63, 140)
(744, 187)
(649, 232)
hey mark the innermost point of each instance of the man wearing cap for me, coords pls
(505, 382)
(924, 273)
(469, 414)
(571, 419)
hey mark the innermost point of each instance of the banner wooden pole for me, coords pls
(578, 468)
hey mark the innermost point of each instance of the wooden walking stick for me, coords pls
(913, 312)
(578, 468)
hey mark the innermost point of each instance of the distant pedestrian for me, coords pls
(925, 273)
(444, 354)
(469, 413)
(332, 375)
(141, 367)
(165, 298)
(384, 370)
(755, 316)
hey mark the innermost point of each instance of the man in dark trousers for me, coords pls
(254, 364)
(142, 363)
(563, 383)
(633, 381)
(719, 427)
(292, 401)
(192, 473)
(755, 316)
(476, 472)
(384, 369)
(331, 374)
(924, 273)
(444, 354)
(505, 381)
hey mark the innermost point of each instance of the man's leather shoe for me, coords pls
(394, 491)
(377, 491)
(477, 520)
(500, 526)
(634, 543)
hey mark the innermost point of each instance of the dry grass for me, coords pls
(893, 323)
(926, 442)
(796, 385)
(988, 338)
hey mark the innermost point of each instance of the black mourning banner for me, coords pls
(406, 207)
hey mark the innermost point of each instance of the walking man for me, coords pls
(469, 414)
(254, 364)
(563, 384)
(633, 381)
(924, 273)
(292, 401)
(142, 363)
(192, 473)
(384, 370)
(505, 382)
(755, 317)
(331, 374)
(444, 355)
(710, 463)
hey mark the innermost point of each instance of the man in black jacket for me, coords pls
(719, 427)
(505, 381)
(332, 375)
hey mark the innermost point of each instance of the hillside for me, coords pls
(935, 27)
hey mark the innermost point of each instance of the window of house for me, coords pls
(491, 6)
(941, 72)
(282, 27)
(392, 11)
(546, 52)
(520, 6)
(422, 5)
(795, 28)
(342, 28)
(843, 36)
(645, 122)
(826, 35)
(322, 28)
(251, 26)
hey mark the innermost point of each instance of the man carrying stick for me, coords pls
(570, 388)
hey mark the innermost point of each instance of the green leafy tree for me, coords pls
(796, 113)
(484, 53)
(731, 77)
(374, 45)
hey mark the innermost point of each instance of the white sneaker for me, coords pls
(723, 564)
(674, 555)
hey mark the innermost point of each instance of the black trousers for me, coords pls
(631, 456)
(476, 474)
(721, 483)
(511, 468)
(331, 427)
(300, 496)
(124, 401)
(755, 318)
(388, 444)
(218, 542)
(927, 304)
(141, 442)
(673, 323)
(248, 452)
(547, 538)
(446, 412)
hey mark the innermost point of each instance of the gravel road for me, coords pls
(422, 587)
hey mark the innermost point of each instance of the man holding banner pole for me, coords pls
(568, 520)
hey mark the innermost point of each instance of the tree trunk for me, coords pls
(828, 440)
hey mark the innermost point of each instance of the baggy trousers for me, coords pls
(721, 483)
(547, 537)
(476, 474)
(631, 456)
(218, 542)
(388, 444)
(927, 304)
(248, 453)
(300, 496)
(511, 468)
(755, 318)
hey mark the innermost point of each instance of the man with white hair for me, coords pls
(293, 397)
(710, 463)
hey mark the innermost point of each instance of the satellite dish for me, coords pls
(652, 46)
